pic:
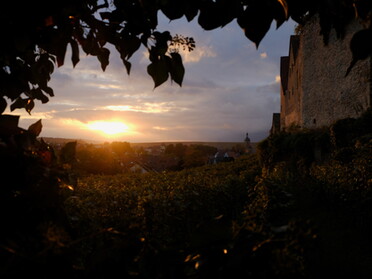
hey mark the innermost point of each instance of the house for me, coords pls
(137, 167)
(314, 89)
(223, 156)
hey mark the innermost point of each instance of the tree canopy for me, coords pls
(36, 34)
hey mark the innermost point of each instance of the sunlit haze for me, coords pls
(108, 127)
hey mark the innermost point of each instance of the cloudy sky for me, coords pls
(229, 88)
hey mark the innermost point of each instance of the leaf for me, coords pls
(75, 52)
(360, 46)
(255, 22)
(280, 12)
(90, 44)
(158, 70)
(36, 128)
(3, 105)
(128, 45)
(68, 152)
(363, 8)
(105, 15)
(210, 16)
(177, 70)
(191, 12)
(18, 103)
(173, 9)
(218, 14)
(29, 105)
(284, 4)
(38, 94)
(48, 90)
(127, 65)
(161, 46)
(61, 52)
(103, 57)
(9, 124)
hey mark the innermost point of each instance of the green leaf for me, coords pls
(177, 70)
(103, 57)
(158, 70)
(75, 52)
(35, 129)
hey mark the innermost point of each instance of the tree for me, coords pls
(36, 34)
(120, 148)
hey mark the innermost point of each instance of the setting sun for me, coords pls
(108, 127)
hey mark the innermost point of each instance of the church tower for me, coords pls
(248, 145)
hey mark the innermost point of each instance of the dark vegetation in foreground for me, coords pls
(301, 208)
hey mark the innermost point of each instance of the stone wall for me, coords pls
(314, 89)
(327, 95)
(291, 93)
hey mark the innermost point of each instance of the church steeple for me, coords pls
(248, 146)
(247, 139)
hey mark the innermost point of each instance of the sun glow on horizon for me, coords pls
(108, 127)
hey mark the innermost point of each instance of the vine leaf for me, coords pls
(360, 46)
(28, 104)
(38, 94)
(61, 51)
(35, 129)
(127, 65)
(255, 23)
(75, 52)
(103, 57)
(158, 70)
(177, 70)
(48, 90)
(3, 105)
(127, 46)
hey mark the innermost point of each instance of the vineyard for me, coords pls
(167, 225)
(298, 208)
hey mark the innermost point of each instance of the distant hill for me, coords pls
(218, 145)
(64, 141)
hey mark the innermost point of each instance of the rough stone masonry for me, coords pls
(314, 89)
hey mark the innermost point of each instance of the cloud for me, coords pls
(263, 55)
(198, 54)
(229, 89)
(162, 107)
(160, 128)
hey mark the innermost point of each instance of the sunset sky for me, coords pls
(229, 88)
